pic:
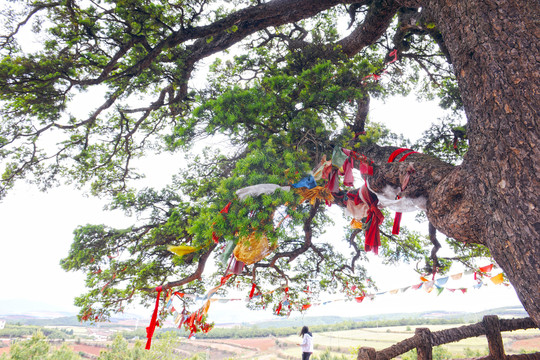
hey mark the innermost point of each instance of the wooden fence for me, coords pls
(424, 340)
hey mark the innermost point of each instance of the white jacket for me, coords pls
(307, 343)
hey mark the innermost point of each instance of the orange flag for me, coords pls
(498, 279)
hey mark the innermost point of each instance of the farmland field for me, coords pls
(341, 344)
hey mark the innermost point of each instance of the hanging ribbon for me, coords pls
(348, 166)
(153, 322)
(393, 156)
(225, 210)
(333, 182)
(374, 220)
(253, 286)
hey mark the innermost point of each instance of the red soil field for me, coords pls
(527, 344)
(92, 350)
(263, 344)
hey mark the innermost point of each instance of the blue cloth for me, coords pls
(442, 281)
(307, 182)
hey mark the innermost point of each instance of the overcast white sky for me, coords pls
(36, 232)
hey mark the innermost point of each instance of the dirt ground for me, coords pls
(526, 344)
(262, 344)
(92, 350)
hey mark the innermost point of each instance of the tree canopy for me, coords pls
(288, 86)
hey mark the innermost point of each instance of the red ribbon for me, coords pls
(333, 183)
(397, 223)
(225, 210)
(278, 310)
(252, 290)
(153, 322)
(375, 219)
(394, 54)
(393, 156)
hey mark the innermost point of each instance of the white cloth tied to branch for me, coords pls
(259, 189)
(387, 199)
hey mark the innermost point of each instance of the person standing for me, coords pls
(307, 343)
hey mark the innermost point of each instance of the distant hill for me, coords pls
(128, 320)
(506, 312)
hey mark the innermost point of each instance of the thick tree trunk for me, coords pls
(494, 46)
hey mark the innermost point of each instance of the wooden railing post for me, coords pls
(493, 333)
(424, 348)
(366, 353)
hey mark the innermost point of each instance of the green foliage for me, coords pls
(162, 349)
(470, 353)
(37, 348)
(19, 331)
(446, 139)
(439, 353)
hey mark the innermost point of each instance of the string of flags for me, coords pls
(196, 321)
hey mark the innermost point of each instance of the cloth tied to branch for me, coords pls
(333, 182)
(181, 250)
(259, 189)
(348, 166)
(393, 156)
(307, 182)
(319, 170)
(338, 157)
(374, 220)
(253, 248)
(317, 193)
(153, 321)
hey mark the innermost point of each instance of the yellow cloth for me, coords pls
(252, 249)
(181, 250)
(498, 279)
(355, 224)
(319, 192)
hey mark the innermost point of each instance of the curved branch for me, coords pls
(197, 274)
(376, 22)
(307, 238)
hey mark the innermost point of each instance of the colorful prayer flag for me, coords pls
(498, 279)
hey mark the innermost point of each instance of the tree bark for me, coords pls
(494, 47)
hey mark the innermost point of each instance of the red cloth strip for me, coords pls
(150, 329)
(406, 155)
(397, 224)
(252, 290)
(394, 54)
(396, 153)
(375, 219)
(225, 210)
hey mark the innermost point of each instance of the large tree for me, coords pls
(291, 83)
